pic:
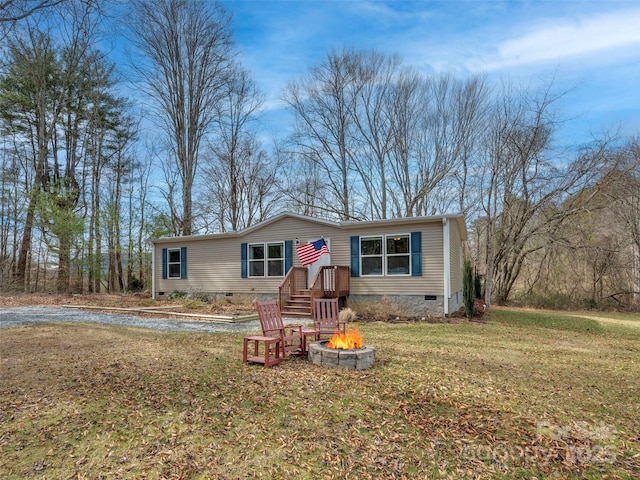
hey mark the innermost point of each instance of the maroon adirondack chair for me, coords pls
(325, 317)
(291, 340)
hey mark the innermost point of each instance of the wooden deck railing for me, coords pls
(331, 282)
(294, 282)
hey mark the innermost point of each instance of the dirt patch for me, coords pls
(55, 299)
(134, 301)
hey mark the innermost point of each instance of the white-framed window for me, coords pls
(174, 262)
(256, 259)
(371, 255)
(398, 254)
(266, 259)
(385, 255)
(275, 259)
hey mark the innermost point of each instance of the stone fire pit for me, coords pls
(355, 359)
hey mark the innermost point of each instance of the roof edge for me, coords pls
(458, 217)
(244, 231)
(347, 225)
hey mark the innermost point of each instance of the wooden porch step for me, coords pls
(299, 301)
(294, 291)
(301, 296)
(298, 306)
(286, 314)
(296, 310)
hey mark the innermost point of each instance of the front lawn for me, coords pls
(527, 394)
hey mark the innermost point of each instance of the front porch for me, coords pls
(296, 297)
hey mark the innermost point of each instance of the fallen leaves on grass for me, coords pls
(107, 402)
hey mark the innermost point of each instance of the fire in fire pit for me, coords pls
(346, 341)
(343, 350)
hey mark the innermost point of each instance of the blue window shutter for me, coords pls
(416, 254)
(288, 255)
(164, 263)
(183, 262)
(355, 256)
(244, 272)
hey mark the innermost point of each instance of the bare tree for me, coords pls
(255, 184)
(631, 217)
(118, 172)
(436, 125)
(303, 188)
(101, 126)
(523, 179)
(172, 221)
(408, 109)
(234, 153)
(12, 12)
(623, 194)
(13, 177)
(323, 103)
(588, 259)
(372, 113)
(138, 265)
(383, 137)
(15, 10)
(189, 50)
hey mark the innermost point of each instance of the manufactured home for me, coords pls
(414, 262)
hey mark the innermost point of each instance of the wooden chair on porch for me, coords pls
(325, 317)
(291, 340)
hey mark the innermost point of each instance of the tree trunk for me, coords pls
(20, 275)
(62, 283)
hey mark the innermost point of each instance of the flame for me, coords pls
(346, 341)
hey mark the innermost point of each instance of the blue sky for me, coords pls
(591, 47)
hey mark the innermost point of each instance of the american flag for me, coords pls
(311, 252)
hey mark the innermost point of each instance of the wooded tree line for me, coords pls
(88, 174)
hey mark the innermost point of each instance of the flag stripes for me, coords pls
(311, 252)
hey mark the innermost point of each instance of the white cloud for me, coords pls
(579, 37)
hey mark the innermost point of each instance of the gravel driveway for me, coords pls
(23, 316)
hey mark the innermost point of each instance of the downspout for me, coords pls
(153, 270)
(446, 247)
